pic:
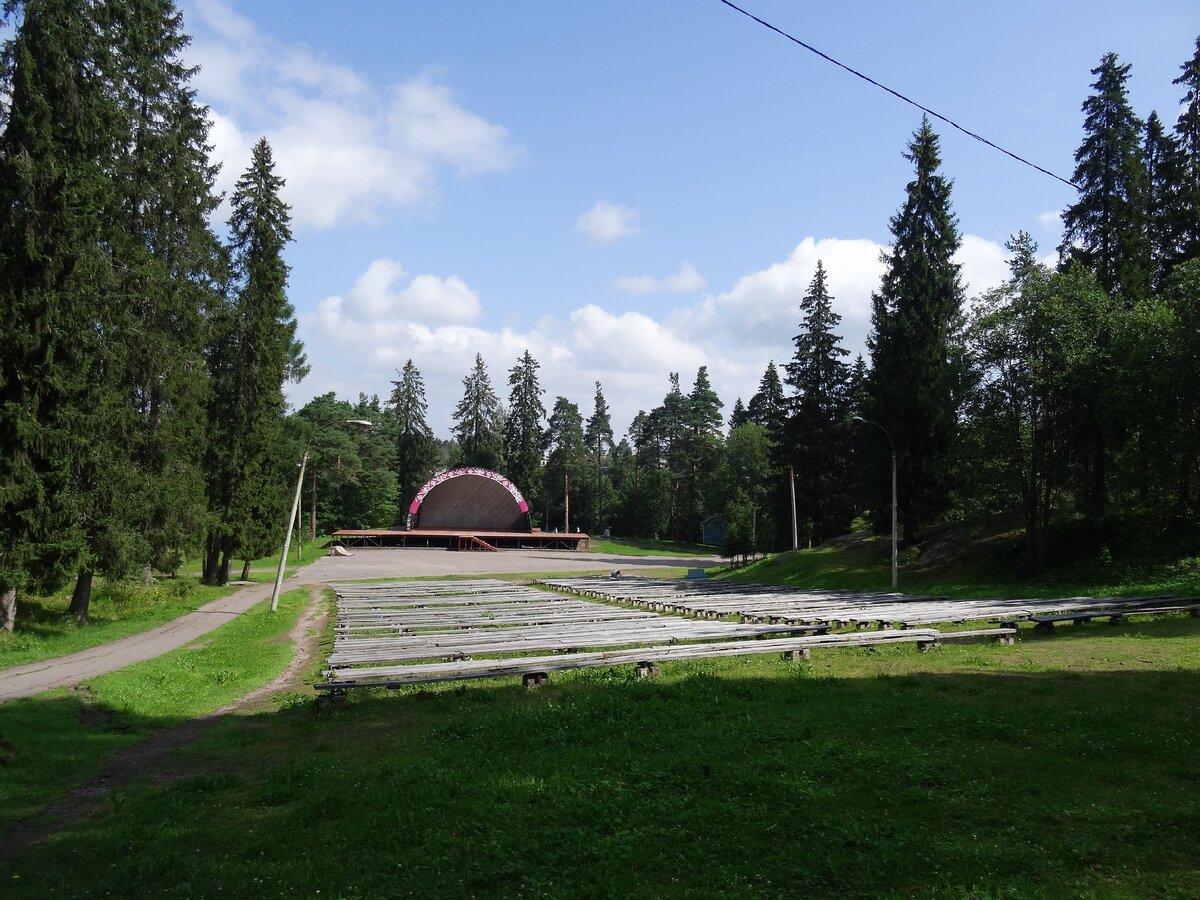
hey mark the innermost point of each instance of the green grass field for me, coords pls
(62, 737)
(45, 629)
(638, 547)
(1059, 767)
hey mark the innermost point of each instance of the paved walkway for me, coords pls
(23, 681)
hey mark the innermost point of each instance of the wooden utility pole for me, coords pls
(566, 502)
(795, 530)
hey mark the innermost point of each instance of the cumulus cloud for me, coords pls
(1051, 220)
(427, 298)
(686, 280)
(350, 151)
(607, 222)
(362, 336)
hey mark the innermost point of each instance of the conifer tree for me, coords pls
(1187, 130)
(739, 415)
(417, 456)
(57, 139)
(817, 429)
(703, 445)
(769, 407)
(1105, 228)
(566, 465)
(141, 482)
(1164, 201)
(252, 351)
(915, 315)
(478, 420)
(524, 436)
(598, 436)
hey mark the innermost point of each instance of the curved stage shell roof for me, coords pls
(469, 498)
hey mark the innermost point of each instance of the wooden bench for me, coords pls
(534, 670)
(1115, 615)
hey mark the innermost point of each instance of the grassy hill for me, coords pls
(985, 558)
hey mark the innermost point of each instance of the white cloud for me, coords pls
(357, 341)
(1051, 220)
(607, 222)
(984, 264)
(427, 298)
(686, 280)
(350, 151)
(762, 309)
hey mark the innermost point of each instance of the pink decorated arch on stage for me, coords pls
(443, 477)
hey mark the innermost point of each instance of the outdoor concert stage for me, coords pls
(468, 508)
(460, 539)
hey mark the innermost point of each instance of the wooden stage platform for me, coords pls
(462, 539)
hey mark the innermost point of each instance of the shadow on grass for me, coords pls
(741, 778)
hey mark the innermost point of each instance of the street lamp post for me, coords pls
(892, 445)
(291, 523)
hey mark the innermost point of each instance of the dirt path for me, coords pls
(148, 759)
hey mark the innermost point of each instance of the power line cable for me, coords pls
(897, 94)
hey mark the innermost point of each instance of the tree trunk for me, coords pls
(81, 597)
(226, 561)
(8, 609)
(246, 570)
(212, 561)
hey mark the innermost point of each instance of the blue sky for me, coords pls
(633, 188)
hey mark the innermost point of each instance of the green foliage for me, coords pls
(479, 421)
(1104, 229)
(417, 455)
(524, 436)
(566, 465)
(915, 319)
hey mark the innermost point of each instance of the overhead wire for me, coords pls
(897, 94)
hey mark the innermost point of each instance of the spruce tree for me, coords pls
(598, 436)
(524, 436)
(252, 351)
(141, 483)
(817, 429)
(57, 139)
(739, 415)
(1164, 201)
(566, 465)
(769, 407)
(915, 315)
(417, 456)
(702, 455)
(479, 421)
(1187, 130)
(1105, 228)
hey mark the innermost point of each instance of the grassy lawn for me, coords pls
(1061, 767)
(63, 737)
(45, 629)
(988, 572)
(638, 547)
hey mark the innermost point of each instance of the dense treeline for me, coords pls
(141, 401)
(143, 418)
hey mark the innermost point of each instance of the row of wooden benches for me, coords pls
(535, 670)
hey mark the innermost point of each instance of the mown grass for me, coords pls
(1062, 767)
(985, 572)
(45, 629)
(63, 737)
(639, 547)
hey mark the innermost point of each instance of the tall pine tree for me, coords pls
(417, 455)
(915, 316)
(478, 421)
(252, 351)
(820, 377)
(524, 436)
(1187, 131)
(58, 137)
(1105, 228)
(598, 436)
